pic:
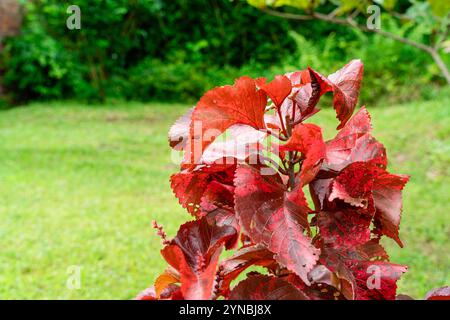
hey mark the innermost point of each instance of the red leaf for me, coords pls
(224, 216)
(262, 287)
(442, 293)
(306, 92)
(272, 215)
(171, 292)
(355, 183)
(344, 228)
(320, 190)
(194, 253)
(361, 184)
(325, 285)
(307, 138)
(373, 250)
(190, 186)
(368, 280)
(375, 280)
(334, 259)
(245, 257)
(217, 195)
(221, 108)
(278, 89)
(354, 143)
(387, 197)
(345, 84)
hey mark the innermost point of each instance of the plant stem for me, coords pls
(291, 163)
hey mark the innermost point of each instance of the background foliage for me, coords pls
(175, 50)
(80, 183)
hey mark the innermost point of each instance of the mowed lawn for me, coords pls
(80, 185)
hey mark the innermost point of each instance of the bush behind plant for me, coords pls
(160, 50)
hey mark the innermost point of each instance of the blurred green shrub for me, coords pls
(124, 44)
(176, 50)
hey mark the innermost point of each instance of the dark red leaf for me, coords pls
(355, 183)
(320, 190)
(345, 84)
(368, 280)
(224, 216)
(190, 186)
(305, 95)
(262, 287)
(375, 280)
(354, 143)
(325, 285)
(217, 195)
(387, 197)
(347, 228)
(373, 250)
(273, 216)
(194, 253)
(334, 259)
(245, 257)
(364, 184)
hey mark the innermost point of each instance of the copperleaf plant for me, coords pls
(249, 157)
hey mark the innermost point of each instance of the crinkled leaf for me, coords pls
(273, 216)
(216, 195)
(364, 184)
(387, 197)
(368, 280)
(325, 285)
(334, 259)
(355, 183)
(347, 228)
(224, 216)
(190, 186)
(354, 143)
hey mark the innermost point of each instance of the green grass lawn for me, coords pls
(80, 186)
